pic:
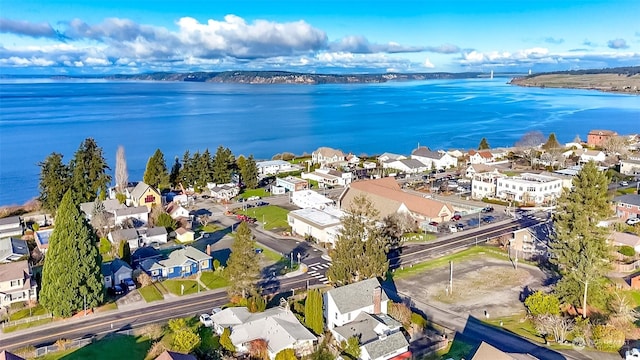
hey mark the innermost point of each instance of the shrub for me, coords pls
(286, 354)
(144, 279)
(225, 341)
(627, 250)
(607, 338)
(540, 303)
(62, 344)
(157, 348)
(216, 264)
(152, 331)
(400, 312)
(122, 198)
(177, 324)
(105, 246)
(418, 320)
(185, 340)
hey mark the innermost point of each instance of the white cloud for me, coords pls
(617, 44)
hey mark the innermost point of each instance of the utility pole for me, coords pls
(451, 277)
(85, 304)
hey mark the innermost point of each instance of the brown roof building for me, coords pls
(599, 137)
(388, 198)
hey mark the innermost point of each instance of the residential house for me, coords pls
(529, 188)
(343, 304)
(488, 352)
(479, 169)
(157, 234)
(184, 235)
(484, 185)
(591, 155)
(277, 326)
(224, 192)
(145, 253)
(352, 159)
(131, 236)
(178, 212)
(114, 272)
(532, 241)
(11, 226)
(172, 355)
(329, 177)
(310, 199)
(12, 249)
(369, 165)
(183, 262)
(16, 284)
(379, 336)
(109, 205)
(480, 157)
(326, 155)
(273, 167)
(5, 355)
(42, 239)
(598, 138)
(434, 159)
(627, 206)
(408, 166)
(630, 166)
(145, 195)
(388, 198)
(322, 225)
(625, 239)
(139, 215)
(456, 153)
(386, 157)
(291, 183)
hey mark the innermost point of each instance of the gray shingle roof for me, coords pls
(131, 210)
(124, 234)
(632, 199)
(355, 296)
(12, 220)
(386, 346)
(158, 230)
(412, 163)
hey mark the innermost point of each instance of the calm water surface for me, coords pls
(40, 117)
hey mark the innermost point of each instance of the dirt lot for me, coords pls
(479, 284)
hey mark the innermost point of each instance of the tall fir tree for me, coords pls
(174, 175)
(222, 165)
(54, 181)
(313, 311)
(243, 270)
(484, 144)
(187, 177)
(250, 173)
(156, 173)
(89, 176)
(552, 142)
(360, 250)
(579, 245)
(71, 274)
(241, 162)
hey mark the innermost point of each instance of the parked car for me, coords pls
(633, 221)
(460, 226)
(262, 203)
(434, 223)
(487, 219)
(259, 250)
(215, 310)
(487, 209)
(241, 200)
(624, 183)
(456, 217)
(129, 284)
(205, 319)
(116, 290)
(252, 198)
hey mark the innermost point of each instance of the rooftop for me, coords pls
(12, 220)
(315, 216)
(356, 296)
(631, 199)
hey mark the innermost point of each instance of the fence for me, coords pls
(26, 320)
(64, 344)
(627, 267)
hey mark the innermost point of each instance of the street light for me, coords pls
(298, 259)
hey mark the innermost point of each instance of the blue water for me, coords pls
(40, 117)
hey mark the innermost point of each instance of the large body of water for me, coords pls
(40, 117)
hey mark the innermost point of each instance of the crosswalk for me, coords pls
(314, 271)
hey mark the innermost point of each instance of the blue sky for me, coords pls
(98, 37)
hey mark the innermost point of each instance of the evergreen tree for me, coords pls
(286, 354)
(156, 173)
(242, 269)
(241, 162)
(88, 172)
(360, 252)
(204, 173)
(174, 176)
(222, 165)
(249, 172)
(484, 144)
(187, 176)
(579, 246)
(552, 143)
(124, 251)
(54, 181)
(71, 273)
(313, 311)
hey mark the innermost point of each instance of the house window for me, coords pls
(149, 199)
(15, 283)
(336, 314)
(170, 270)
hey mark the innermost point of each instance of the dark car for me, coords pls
(460, 226)
(116, 290)
(487, 219)
(129, 284)
(456, 217)
(487, 209)
(258, 250)
(262, 203)
(434, 223)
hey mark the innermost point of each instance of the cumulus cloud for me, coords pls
(443, 49)
(552, 40)
(360, 45)
(587, 42)
(617, 44)
(26, 28)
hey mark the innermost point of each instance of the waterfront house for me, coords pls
(224, 192)
(16, 284)
(291, 183)
(326, 155)
(183, 262)
(591, 155)
(480, 157)
(329, 177)
(277, 326)
(434, 159)
(273, 167)
(114, 272)
(11, 226)
(145, 195)
(408, 166)
(13, 249)
(109, 205)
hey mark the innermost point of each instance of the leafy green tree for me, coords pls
(156, 173)
(608, 337)
(540, 303)
(71, 273)
(484, 144)
(222, 165)
(286, 354)
(579, 245)
(552, 143)
(249, 173)
(360, 252)
(174, 176)
(313, 311)
(185, 340)
(124, 251)
(165, 220)
(88, 172)
(177, 324)
(242, 269)
(54, 181)
(352, 347)
(225, 341)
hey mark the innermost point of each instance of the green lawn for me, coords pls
(457, 349)
(110, 306)
(514, 324)
(150, 293)
(254, 192)
(270, 255)
(9, 329)
(213, 280)
(274, 216)
(418, 237)
(626, 191)
(190, 286)
(115, 347)
(24, 313)
(210, 228)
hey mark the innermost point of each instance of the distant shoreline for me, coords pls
(605, 82)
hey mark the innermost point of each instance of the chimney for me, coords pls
(377, 300)
(209, 249)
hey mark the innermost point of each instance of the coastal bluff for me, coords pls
(618, 80)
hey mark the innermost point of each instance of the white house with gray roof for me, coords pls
(272, 167)
(139, 214)
(379, 335)
(277, 326)
(434, 159)
(11, 226)
(131, 236)
(342, 305)
(409, 166)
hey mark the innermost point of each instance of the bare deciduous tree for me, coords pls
(615, 145)
(122, 175)
(528, 145)
(556, 325)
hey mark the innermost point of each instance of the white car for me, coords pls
(633, 221)
(205, 319)
(215, 310)
(624, 183)
(253, 198)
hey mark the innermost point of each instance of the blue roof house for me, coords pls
(180, 263)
